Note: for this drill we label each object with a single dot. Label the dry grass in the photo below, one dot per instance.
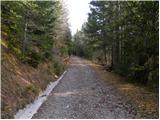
(144, 100)
(21, 83)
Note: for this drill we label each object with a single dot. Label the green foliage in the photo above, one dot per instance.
(58, 67)
(33, 59)
(31, 89)
(125, 35)
(32, 29)
(137, 68)
(80, 46)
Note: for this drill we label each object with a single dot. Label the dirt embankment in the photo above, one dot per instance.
(21, 83)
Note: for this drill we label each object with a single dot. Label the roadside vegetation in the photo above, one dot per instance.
(124, 38)
(36, 41)
(35, 38)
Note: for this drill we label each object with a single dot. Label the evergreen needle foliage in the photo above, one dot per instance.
(123, 35)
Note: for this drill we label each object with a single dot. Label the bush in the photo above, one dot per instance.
(31, 89)
(58, 67)
(28, 94)
(32, 58)
(139, 73)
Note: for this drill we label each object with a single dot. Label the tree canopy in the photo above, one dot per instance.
(125, 36)
(31, 29)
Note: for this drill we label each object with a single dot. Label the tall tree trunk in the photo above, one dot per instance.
(112, 56)
(24, 44)
(25, 39)
(105, 53)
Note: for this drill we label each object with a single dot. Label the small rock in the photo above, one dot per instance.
(55, 76)
(43, 95)
(67, 106)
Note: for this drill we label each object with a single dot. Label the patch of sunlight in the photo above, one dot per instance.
(78, 64)
(11, 59)
(17, 50)
(4, 44)
(90, 64)
(19, 72)
(126, 87)
(66, 93)
(95, 65)
(24, 81)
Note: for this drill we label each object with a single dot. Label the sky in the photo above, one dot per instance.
(78, 10)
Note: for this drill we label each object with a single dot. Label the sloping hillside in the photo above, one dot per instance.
(34, 41)
(21, 83)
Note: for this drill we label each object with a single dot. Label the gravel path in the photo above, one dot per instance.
(82, 94)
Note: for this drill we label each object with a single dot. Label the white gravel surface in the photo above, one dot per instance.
(81, 94)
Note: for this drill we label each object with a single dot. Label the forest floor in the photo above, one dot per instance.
(84, 93)
(144, 99)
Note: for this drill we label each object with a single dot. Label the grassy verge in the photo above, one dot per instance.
(21, 83)
(144, 100)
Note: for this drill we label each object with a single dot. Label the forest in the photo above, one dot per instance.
(33, 28)
(36, 42)
(35, 39)
(124, 37)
